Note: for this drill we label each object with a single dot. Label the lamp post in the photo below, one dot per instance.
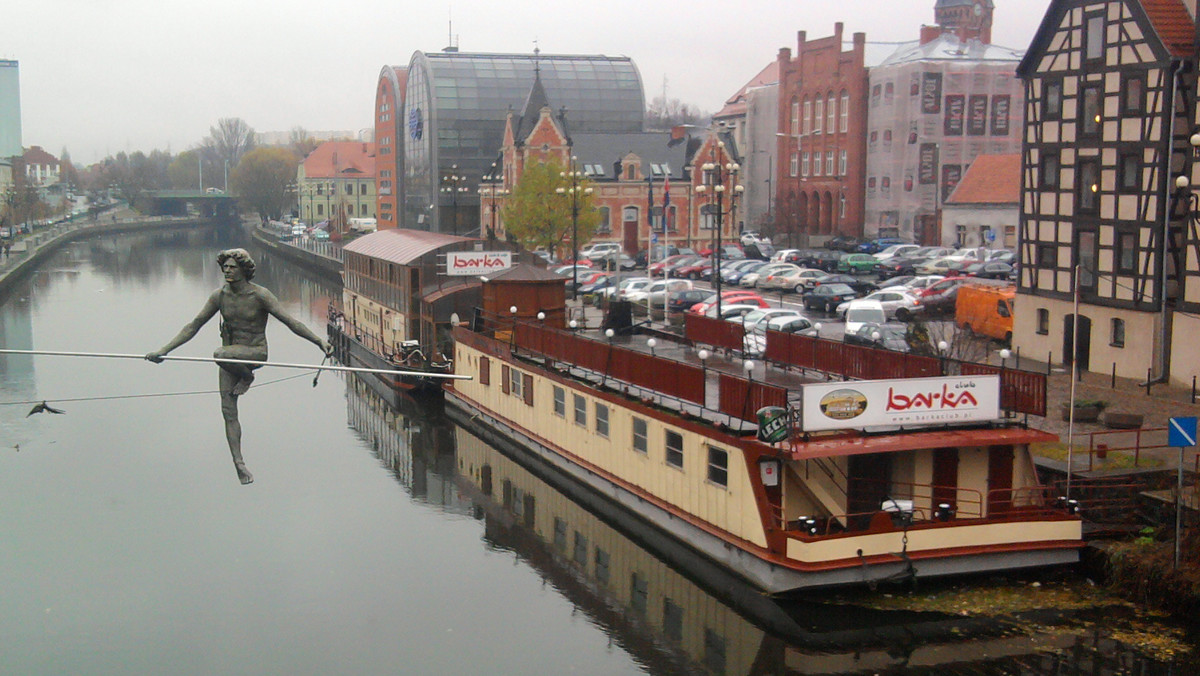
(575, 190)
(716, 175)
(453, 185)
(492, 188)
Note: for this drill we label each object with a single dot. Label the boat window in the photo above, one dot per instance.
(580, 410)
(718, 466)
(560, 402)
(514, 382)
(601, 420)
(674, 449)
(485, 371)
(640, 443)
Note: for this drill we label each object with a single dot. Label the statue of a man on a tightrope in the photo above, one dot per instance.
(244, 309)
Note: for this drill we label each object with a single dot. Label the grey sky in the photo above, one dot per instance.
(102, 76)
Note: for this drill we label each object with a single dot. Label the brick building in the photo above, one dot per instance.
(821, 140)
(389, 144)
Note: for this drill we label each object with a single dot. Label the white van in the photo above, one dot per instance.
(859, 312)
(362, 224)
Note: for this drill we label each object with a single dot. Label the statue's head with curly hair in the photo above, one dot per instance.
(241, 257)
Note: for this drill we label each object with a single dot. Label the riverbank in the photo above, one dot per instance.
(31, 249)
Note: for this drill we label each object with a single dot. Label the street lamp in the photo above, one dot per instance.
(492, 190)
(453, 185)
(716, 175)
(576, 179)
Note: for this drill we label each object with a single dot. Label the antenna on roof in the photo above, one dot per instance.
(451, 44)
(537, 66)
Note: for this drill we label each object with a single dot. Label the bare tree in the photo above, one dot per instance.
(664, 114)
(227, 142)
(302, 142)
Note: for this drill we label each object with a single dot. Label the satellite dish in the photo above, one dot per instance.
(453, 319)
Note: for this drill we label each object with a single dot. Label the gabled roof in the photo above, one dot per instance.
(736, 104)
(1168, 19)
(403, 246)
(947, 47)
(991, 179)
(524, 272)
(340, 159)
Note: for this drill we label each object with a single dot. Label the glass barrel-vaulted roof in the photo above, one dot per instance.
(456, 104)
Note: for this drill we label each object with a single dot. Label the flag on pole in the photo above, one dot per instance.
(666, 198)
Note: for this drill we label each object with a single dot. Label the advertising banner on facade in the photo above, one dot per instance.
(477, 262)
(977, 115)
(951, 175)
(909, 402)
(927, 164)
(1000, 109)
(931, 93)
(955, 105)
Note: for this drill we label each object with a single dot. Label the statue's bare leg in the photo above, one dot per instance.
(233, 427)
(243, 374)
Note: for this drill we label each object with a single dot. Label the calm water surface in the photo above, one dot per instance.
(373, 541)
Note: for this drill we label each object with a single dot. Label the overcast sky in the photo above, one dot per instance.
(102, 76)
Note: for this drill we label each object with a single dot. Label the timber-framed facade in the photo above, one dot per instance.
(1109, 107)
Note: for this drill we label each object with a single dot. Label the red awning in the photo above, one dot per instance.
(909, 441)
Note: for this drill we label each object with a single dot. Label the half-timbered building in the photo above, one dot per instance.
(1109, 109)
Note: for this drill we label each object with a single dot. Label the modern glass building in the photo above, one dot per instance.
(10, 109)
(455, 106)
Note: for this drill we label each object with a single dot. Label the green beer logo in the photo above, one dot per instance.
(772, 424)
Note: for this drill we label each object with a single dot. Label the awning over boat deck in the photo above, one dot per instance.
(892, 442)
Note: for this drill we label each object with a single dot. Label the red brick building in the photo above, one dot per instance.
(627, 173)
(389, 157)
(819, 183)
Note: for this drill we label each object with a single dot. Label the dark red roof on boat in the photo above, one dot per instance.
(909, 441)
(398, 245)
(524, 272)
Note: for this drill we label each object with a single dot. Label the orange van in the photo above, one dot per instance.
(986, 310)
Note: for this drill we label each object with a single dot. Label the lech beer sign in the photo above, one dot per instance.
(772, 424)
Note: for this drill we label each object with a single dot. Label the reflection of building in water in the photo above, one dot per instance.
(669, 622)
(418, 449)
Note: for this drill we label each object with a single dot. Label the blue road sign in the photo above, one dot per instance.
(1181, 432)
(991, 235)
(654, 238)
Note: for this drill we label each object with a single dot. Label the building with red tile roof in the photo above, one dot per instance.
(337, 182)
(985, 207)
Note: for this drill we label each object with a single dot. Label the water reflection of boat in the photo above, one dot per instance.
(656, 609)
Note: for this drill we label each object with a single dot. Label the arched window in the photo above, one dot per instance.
(807, 116)
(605, 226)
(830, 113)
(844, 124)
(795, 121)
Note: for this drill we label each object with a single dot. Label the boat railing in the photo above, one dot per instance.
(1020, 391)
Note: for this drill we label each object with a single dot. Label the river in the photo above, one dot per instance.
(372, 541)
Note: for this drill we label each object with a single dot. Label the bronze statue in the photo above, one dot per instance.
(244, 308)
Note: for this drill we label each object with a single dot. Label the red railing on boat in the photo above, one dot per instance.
(741, 398)
(713, 331)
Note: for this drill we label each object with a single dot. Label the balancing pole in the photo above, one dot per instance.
(214, 360)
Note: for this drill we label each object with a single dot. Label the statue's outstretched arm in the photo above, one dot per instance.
(190, 329)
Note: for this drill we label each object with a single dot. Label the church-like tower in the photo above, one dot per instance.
(968, 18)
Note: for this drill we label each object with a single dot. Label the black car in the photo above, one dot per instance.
(682, 301)
(846, 244)
(828, 296)
(596, 286)
(883, 336)
(860, 286)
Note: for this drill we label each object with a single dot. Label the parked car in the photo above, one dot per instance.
(988, 270)
(937, 266)
(857, 264)
(825, 260)
(861, 286)
(733, 273)
(626, 285)
(685, 299)
(660, 268)
(751, 279)
(860, 311)
(798, 280)
(845, 243)
(894, 251)
(754, 237)
(780, 255)
(614, 261)
(896, 304)
(911, 283)
(731, 297)
(883, 336)
(732, 311)
(656, 293)
(691, 269)
(597, 251)
(828, 296)
(940, 297)
(777, 276)
(752, 319)
(754, 344)
(879, 244)
(986, 310)
(596, 285)
(760, 251)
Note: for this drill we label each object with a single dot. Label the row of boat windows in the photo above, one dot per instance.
(518, 384)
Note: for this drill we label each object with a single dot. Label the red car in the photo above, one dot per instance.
(741, 297)
(693, 270)
(656, 269)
